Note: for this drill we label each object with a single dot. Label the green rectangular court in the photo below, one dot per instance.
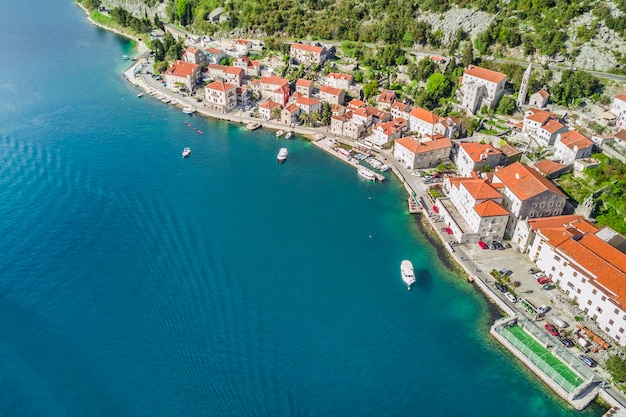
(562, 369)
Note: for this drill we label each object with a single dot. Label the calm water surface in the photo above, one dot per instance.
(135, 283)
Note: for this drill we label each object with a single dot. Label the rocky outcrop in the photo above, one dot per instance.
(471, 21)
(140, 8)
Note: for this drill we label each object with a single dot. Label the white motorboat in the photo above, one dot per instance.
(186, 152)
(368, 174)
(279, 133)
(408, 275)
(282, 155)
(189, 110)
(139, 95)
(288, 135)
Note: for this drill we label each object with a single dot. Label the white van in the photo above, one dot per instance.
(556, 320)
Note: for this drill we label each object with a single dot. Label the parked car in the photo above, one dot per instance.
(510, 297)
(539, 274)
(416, 174)
(490, 246)
(482, 245)
(436, 175)
(543, 280)
(543, 308)
(547, 287)
(588, 361)
(551, 329)
(506, 272)
(498, 245)
(499, 286)
(534, 270)
(566, 342)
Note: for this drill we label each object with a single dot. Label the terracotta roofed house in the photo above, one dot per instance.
(481, 86)
(548, 133)
(528, 194)
(183, 74)
(290, 114)
(618, 108)
(332, 95)
(338, 80)
(266, 109)
(399, 109)
(422, 121)
(193, 55)
(220, 96)
(307, 54)
(275, 89)
(309, 105)
(416, 154)
(539, 99)
(304, 87)
(572, 145)
(550, 169)
(386, 98)
(476, 156)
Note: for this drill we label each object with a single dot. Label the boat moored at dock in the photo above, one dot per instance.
(288, 135)
(368, 174)
(189, 110)
(407, 272)
(186, 152)
(279, 133)
(253, 125)
(282, 155)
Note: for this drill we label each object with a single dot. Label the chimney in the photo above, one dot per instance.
(517, 176)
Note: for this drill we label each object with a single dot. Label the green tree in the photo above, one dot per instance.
(370, 89)
(159, 50)
(327, 113)
(616, 366)
(506, 105)
(439, 86)
(276, 112)
(468, 55)
(305, 118)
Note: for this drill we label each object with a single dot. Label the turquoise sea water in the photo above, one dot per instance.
(135, 283)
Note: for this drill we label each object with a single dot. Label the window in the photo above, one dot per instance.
(556, 258)
(603, 298)
(569, 284)
(599, 310)
(561, 274)
(594, 291)
(586, 310)
(611, 322)
(621, 330)
(553, 268)
(578, 291)
(589, 302)
(616, 311)
(576, 274)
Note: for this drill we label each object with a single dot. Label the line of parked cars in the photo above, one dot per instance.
(493, 245)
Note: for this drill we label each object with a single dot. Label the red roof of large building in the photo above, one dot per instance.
(424, 115)
(525, 182)
(548, 167)
(478, 151)
(485, 74)
(552, 126)
(417, 147)
(621, 97)
(478, 188)
(539, 116)
(307, 47)
(303, 83)
(233, 70)
(182, 69)
(490, 208)
(219, 86)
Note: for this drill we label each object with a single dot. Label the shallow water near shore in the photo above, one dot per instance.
(138, 283)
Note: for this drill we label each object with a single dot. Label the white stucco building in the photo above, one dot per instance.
(618, 108)
(481, 86)
(476, 156)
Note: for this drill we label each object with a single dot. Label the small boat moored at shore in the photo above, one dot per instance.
(279, 133)
(282, 155)
(186, 152)
(288, 135)
(189, 110)
(408, 274)
(368, 174)
(253, 125)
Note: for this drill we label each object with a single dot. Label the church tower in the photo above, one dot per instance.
(523, 88)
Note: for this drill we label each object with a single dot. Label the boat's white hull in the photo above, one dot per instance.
(282, 155)
(367, 174)
(186, 152)
(408, 274)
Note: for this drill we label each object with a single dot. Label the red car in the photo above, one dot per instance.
(482, 245)
(551, 329)
(543, 280)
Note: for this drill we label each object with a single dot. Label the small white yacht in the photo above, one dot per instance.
(288, 135)
(408, 275)
(282, 155)
(368, 174)
(189, 110)
(279, 133)
(186, 152)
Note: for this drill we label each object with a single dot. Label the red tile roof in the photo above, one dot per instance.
(485, 74)
(539, 116)
(387, 128)
(214, 51)
(306, 101)
(574, 138)
(233, 70)
(490, 208)
(621, 135)
(356, 103)
(292, 108)
(330, 90)
(400, 106)
(525, 182)
(543, 93)
(182, 69)
(552, 126)
(303, 83)
(192, 49)
(339, 76)
(424, 115)
(477, 150)
(307, 47)
(270, 105)
(421, 147)
(548, 167)
(219, 86)
(621, 97)
(554, 221)
(387, 96)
